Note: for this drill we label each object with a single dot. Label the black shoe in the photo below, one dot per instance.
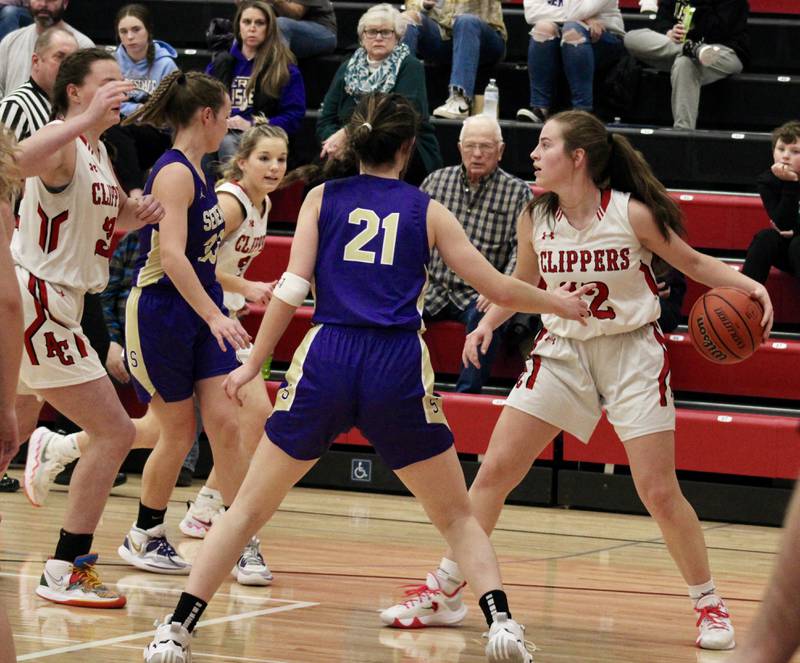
(8, 485)
(701, 52)
(65, 476)
(185, 478)
(535, 115)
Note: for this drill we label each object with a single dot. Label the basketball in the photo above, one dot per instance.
(725, 325)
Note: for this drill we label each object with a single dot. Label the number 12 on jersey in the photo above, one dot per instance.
(354, 251)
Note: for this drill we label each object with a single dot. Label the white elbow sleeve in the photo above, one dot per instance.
(291, 289)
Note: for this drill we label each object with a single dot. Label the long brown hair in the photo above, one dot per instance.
(177, 98)
(273, 57)
(9, 174)
(613, 162)
(379, 126)
(143, 14)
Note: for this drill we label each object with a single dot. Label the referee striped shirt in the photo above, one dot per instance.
(25, 110)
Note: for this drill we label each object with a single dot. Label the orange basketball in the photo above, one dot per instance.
(725, 325)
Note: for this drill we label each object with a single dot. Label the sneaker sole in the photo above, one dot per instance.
(732, 645)
(33, 454)
(49, 595)
(252, 580)
(166, 657)
(139, 563)
(454, 619)
(451, 116)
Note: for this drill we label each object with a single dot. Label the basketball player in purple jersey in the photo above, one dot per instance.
(365, 241)
(180, 340)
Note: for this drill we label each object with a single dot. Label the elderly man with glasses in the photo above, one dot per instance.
(487, 201)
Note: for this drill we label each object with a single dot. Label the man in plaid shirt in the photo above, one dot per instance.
(487, 201)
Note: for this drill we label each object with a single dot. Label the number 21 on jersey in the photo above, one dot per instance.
(354, 250)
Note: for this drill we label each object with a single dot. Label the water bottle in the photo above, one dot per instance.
(491, 99)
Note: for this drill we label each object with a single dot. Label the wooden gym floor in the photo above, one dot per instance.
(591, 587)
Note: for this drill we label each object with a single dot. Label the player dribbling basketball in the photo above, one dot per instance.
(603, 217)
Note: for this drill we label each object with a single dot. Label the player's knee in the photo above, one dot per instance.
(226, 438)
(120, 436)
(660, 498)
(492, 478)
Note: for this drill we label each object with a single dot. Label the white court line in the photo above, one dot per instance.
(94, 644)
(226, 657)
(168, 590)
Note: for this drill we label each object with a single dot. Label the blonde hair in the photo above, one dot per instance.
(231, 171)
(9, 173)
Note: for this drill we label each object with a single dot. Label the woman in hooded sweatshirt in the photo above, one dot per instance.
(144, 61)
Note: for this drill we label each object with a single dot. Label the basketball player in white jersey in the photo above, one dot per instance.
(71, 207)
(249, 176)
(592, 227)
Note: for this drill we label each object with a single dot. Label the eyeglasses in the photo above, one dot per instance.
(478, 147)
(373, 33)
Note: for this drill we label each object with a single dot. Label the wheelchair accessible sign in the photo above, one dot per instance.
(361, 470)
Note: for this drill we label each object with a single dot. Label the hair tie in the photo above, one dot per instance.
(181, 80)
(367, 125)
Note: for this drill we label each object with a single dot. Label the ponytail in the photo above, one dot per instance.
(177, 99)
(612, 162)
(9, 174)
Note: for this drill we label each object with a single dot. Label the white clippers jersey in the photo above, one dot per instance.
(607, 254)
(64, 238)
(240, 247)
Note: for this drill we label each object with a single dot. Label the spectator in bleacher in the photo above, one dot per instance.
(261, 75)
(308, 26)
(779, 187)
(14, 14)
(577, 37)
(462, 33)
(143, 61)
(715, 45)
(381, 64)
(487, 201)
(17, 47)
(27, 108)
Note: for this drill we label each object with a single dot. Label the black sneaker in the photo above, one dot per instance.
(184, 478)
(705, 54)
(8, 484)
(65, 476)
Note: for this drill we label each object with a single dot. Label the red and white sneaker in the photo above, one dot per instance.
(714, 622)
(427, 605)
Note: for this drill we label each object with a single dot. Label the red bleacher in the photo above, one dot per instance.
(711, 441)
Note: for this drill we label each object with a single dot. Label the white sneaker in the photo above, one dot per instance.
(455, 108)
(47, 456)
(77, 584)
(200, 516)
(171, 643)
(427, 605)
(149, 550)
(507, 642)
(648, 6)
(251, 569)
(714, 622)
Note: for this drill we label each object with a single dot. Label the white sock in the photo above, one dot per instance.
(67, 446)
(696, 592)
(449, 575)
(210, 494)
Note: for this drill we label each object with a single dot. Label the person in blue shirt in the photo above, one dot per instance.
(261, 75)
(143, 61)
(366, 241)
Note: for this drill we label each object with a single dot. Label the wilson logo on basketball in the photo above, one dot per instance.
(711, 349)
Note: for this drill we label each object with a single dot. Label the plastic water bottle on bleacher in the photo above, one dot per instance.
(491, 99)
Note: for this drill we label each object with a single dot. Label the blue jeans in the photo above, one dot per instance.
(474, 43)
(579, 61)
(306, 38)
(12, 18)
(471, 379)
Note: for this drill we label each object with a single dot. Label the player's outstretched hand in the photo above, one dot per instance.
(9, 437)
(149, 210)
(760, 294)
(237, 378)
(227, 329)
(108, 97)
(570, 305)
(477, 341)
